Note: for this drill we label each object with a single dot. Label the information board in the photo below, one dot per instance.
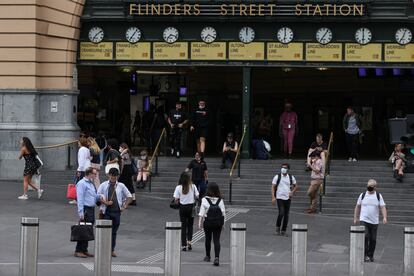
(92, 51)
(212, 51)
(399, 53)
(167, 51)
(128, 51)
(358, 52)
(318, 52)
(284, 52)
(251, 51)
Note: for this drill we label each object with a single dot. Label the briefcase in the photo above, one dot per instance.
(82, 232)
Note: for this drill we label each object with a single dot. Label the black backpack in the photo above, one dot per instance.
(215, 218)
(279, 176)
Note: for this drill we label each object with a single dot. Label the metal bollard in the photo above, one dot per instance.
(103, 247)
(299, 249)
(238, 249)
(356, 250)
(172, 264)
(409, 251)
(29, 244)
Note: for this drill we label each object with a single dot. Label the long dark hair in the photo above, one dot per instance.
(185, 181)
(213, 190)
(29, 146)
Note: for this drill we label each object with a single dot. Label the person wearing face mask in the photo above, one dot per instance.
(177, 121)
(367, 214)
(199, 173)
(317, 176)
(143, 172)
(284, 187)
(288, 129)
(199, 124)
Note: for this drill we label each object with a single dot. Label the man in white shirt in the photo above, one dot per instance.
(367, 213)
(283, 188)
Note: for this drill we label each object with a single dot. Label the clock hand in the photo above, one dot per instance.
(97, 35)
(284, 36)
(404, 34)
(324, 35)
(134, 33)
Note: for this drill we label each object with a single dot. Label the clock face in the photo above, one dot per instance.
(96, 34)
(324, 35)
(403, 36)
(133, 34)
(285, 35)
(208, 34)
(246, 34)
(170, 35)
(363, 36)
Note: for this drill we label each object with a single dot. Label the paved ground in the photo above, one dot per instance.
(141, 240)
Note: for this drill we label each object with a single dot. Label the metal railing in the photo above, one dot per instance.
(327, 168)
(155, 155)
(236, 161)
(68, 144)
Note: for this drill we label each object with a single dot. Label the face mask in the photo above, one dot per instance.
(143, 157)
(370, 188)
(283, 170)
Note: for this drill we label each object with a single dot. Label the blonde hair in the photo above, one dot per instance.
(372, 182)
(93, 145)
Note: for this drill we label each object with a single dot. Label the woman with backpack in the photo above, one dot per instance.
(212, 216)
(186, 194)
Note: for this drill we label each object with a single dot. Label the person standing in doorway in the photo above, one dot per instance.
(199, 173)
(288, 129)
(199, 124)
(366, 213)
(177, 121)
(317, 175)
(284, 187)
(115, 198)
(352, 124)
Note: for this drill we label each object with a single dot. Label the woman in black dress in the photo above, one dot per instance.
(32, 164)
(127, 171)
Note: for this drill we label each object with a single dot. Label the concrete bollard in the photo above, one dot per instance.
(409, 251)
(299, 249)
(172, 263)
(356, 250)
(29, 244)
(238, 249)
(103, 248)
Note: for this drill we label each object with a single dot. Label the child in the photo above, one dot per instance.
(143, 172)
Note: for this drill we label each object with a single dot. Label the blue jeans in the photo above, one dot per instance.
(89, 216)
(116, 221)
(201, 187)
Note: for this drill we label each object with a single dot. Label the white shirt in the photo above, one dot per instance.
(370, 207)
(122, 193)
(84, 159)
(186, 198)
(283, 189)
(205, 206)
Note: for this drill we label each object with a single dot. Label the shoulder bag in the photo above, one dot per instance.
(83, 231)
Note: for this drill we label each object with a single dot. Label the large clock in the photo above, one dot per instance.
(324, 35)
(285, 35)
(403, 36)
(133, 34)
(96, 34)
(246, 34)
(170, 35)
(208, 34)
(363, 36)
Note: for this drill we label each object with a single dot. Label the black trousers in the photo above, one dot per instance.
(228, 155)
(116, 221)
(284, 207)
(370, 238)
(215, 233)
(187, 221)
(89, 216)
(352, 144)
(176, 134)
(126, 177)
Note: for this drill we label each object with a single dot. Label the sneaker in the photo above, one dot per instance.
(172, 152)
(371, 259)
(216, 261)
(284, 234)
(367, 259)
(207, 259)
(177, 154)
(39, 193)
(277, 232)
(24, 197)
(350, 159)
(354, 160)
(184, 248)
(73, 202)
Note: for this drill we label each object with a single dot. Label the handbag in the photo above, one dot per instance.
(174, 204)
(82, 232)
(110, 166)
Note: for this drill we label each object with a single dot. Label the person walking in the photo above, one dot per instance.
(127, 171)
(31, 167)
(284, 187)
(95, 153)
(87, 199)
(186, 194)
(211, 218)
(229, 150)
(199, 173)
(288, 129)
(199, 124)
(317, 176)
(115, 199)
(366, 213)
(177, 121)
(352, 124)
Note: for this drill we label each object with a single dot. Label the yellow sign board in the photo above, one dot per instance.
(285, 52)
(212, 51)
(251, 51)
(399, 53)
(128, 51)
(357, 52)
(167, 51)
(92, 51)
(319, 52)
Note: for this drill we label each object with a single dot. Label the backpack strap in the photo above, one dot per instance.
(209, 201)
(378, 196)
(291, 181)
(363, 195)
(279, 176)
